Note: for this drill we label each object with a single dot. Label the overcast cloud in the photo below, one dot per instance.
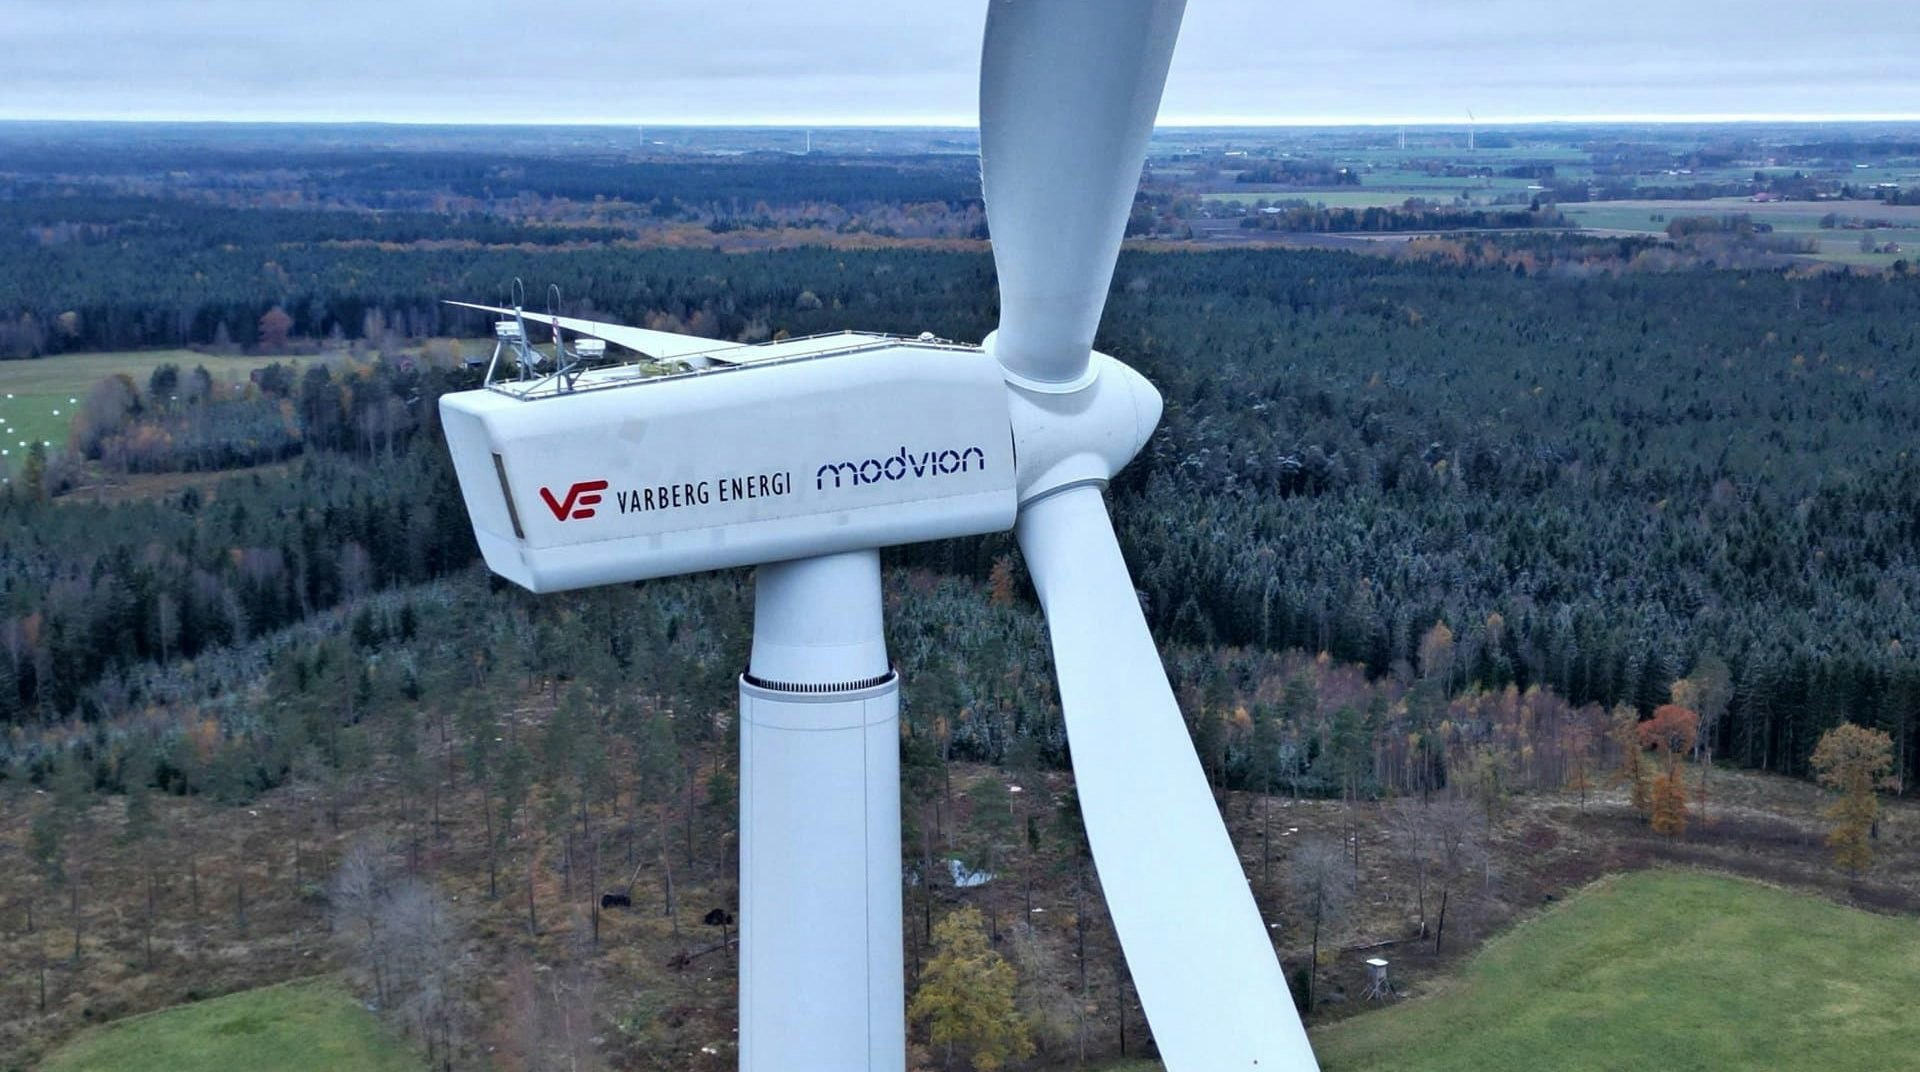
(915, 61)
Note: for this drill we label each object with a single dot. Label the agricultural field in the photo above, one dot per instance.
(1662, 969)
(1811, 176)
(313, 1025)
(1387, 188)
(1791, 219)
(1345, 197)
(38, 396)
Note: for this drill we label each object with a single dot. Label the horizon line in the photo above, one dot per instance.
(1177, 122)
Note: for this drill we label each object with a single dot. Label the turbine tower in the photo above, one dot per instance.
(802, 458)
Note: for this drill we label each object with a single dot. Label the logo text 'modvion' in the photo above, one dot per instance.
(904, 465)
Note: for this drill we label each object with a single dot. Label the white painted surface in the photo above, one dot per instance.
(1081, 436)
(818, 620)
(1195, 944)
(822, 978)
(874, 448)
(1068, 93)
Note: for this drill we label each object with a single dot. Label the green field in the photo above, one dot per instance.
(38, 397)
(296, 1027)
(1663, 970)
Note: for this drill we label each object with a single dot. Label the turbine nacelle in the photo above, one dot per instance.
(776, 457)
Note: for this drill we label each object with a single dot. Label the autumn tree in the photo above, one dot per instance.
(1855, 761)
(1671, 732)
(1625, 731)
(966, 995)
(275, 326)
(1669, 805)
(1001, 583)
(424, 965)
(1436, 654)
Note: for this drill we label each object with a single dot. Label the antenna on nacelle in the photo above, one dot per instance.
(511, 335)
(565, 365)
(570, 362)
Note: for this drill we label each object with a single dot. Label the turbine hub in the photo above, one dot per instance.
(1084, 436)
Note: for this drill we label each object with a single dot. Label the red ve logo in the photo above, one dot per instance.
(579, 502)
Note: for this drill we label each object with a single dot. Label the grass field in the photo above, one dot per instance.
(1668, 970)
(38, 397)
(296, 1027)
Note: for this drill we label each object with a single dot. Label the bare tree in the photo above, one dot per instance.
(1706, 692)
(549, 1021)
(424, 961)
(1044, 992)
(1459, 854)
(355, 898)
(402, 935)
(1320, 886)
(1407, 825)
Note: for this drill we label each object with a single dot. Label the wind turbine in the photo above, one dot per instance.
(802, 457)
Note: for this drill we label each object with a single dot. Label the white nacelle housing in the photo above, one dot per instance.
(620, 479)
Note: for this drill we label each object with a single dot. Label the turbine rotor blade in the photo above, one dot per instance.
(1199, 953)
(1068, 94)
(657, 344)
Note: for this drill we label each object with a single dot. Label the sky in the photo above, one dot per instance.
(915, 62)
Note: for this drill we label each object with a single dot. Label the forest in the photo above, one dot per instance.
(1426, 525)
(1354, 450)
